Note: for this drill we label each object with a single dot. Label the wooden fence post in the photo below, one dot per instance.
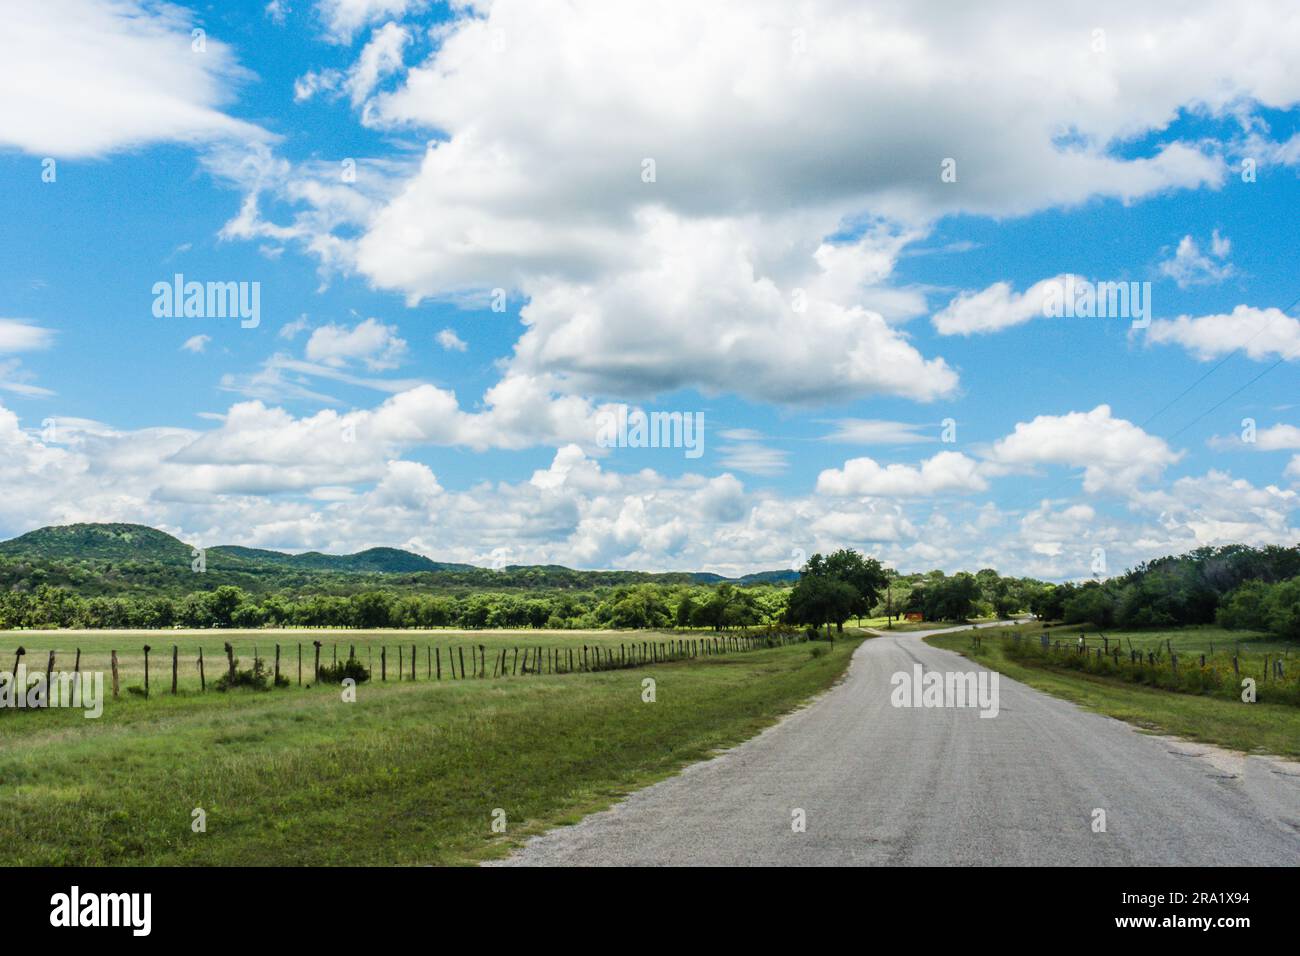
(230, 662)
(276, 682)
(76, 668)
(176, 657)
(146, 671)
(203, 681)
(438, 655)
(316, 677)
(383, 663)
(114, 660)
(461, 651)
(49, 670)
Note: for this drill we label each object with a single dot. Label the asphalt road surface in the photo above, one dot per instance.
(886, 785)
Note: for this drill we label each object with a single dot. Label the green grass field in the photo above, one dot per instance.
(1252, 728)
(410, 773)
(430, 646)
(1205, 639)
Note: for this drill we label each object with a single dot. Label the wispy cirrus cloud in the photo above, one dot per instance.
(84, 78)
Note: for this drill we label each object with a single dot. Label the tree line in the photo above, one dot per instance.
(719, 607)
(1234, 586)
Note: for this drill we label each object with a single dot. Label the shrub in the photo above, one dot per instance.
(256, 677)
(337, 673)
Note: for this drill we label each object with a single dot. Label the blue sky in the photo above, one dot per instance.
(797, 270)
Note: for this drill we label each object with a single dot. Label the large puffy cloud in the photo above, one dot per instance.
(1260, 333)
(728, 98)
(759, 256)
(85, 78)
(948, 471)
(695, 312)
(1115, 454)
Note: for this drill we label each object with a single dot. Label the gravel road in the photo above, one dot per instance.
(886, 785)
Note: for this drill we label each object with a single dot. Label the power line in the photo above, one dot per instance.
(1216, 405)
(1229, 396)
(1217, 366)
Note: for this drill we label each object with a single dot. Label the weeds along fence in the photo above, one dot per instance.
(172, 670)
(1276, 675)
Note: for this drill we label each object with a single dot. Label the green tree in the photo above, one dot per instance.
(821, 599)
(1283, 609)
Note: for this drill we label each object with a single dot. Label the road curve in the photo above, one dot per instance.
(885, 785)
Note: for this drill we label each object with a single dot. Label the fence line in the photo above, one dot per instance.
(538, 659)
(1191, 672)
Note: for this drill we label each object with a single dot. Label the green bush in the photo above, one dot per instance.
(256, 678)
(339, 672)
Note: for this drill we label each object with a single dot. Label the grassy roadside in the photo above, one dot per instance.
(411, 773)
(1251, 728)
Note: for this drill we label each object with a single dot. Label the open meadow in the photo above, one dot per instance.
(412, 772)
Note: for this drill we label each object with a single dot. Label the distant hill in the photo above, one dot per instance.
(370, 561)
(769, 577)
(105, 542)
(137, 542)
(758, 577)
(133, 557)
